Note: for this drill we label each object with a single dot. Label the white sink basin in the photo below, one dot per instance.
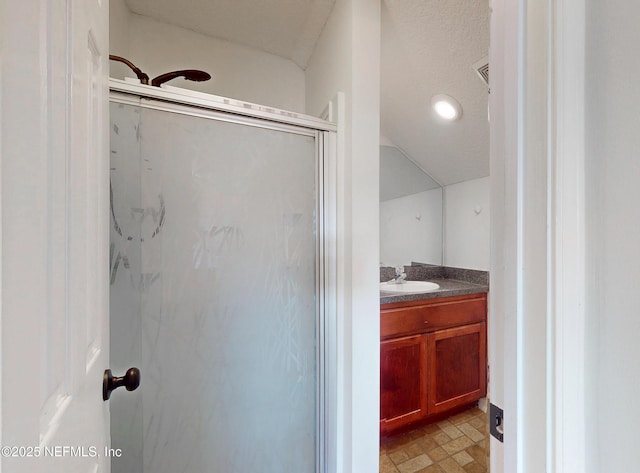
(409, 287)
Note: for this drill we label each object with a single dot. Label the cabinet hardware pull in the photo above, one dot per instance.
(426, 322)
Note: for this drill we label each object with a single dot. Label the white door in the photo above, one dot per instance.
(54, 259)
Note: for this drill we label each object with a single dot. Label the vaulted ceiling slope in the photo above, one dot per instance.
(287, 28)
(429, 47)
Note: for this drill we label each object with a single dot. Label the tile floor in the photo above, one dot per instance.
(459, 444)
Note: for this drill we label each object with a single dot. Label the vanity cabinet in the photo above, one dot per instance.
(403, 381)
(433, 358)
(457, 367)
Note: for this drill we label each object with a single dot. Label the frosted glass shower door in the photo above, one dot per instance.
(213, 293)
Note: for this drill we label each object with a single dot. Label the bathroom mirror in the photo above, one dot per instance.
(410, 212)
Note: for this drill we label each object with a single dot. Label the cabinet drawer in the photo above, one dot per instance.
(433, 315)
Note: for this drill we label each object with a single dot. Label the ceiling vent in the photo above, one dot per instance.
(482, 69)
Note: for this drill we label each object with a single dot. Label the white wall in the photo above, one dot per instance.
(411, 229)
(347, 59)
(329, 68)
(467, 222)
(405, 238)
(613, 229)
(119, 16)
(237, 71)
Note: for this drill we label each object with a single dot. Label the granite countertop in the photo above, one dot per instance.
(452, 281)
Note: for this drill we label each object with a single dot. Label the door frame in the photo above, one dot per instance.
(537, 313)
(560, 27)
(184, 101)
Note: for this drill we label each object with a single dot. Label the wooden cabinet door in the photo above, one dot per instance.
(457, 366)
(403, 381)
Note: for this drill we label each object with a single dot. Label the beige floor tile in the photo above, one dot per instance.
(457, 444)
(449, 465)
(471, 432)
(414, 449)
(427, 443)
(415, 464)
(479, 454)
(450, 429)
(463, 458)
(386, 465)
(475, 467)
(399, 456)
(441, 438)
(477, 422)
(431, 469)
(437, 454)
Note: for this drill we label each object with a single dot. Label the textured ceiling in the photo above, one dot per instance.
(287, 28)
(428, 47)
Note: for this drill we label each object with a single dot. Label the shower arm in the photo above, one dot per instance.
(144, 79)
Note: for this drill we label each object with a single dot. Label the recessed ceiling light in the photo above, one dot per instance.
(446, 107)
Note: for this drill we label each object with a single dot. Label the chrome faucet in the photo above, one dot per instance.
(400, 275)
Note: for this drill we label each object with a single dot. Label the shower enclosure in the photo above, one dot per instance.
(218, 271)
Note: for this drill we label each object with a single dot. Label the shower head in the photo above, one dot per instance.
(189, 74)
